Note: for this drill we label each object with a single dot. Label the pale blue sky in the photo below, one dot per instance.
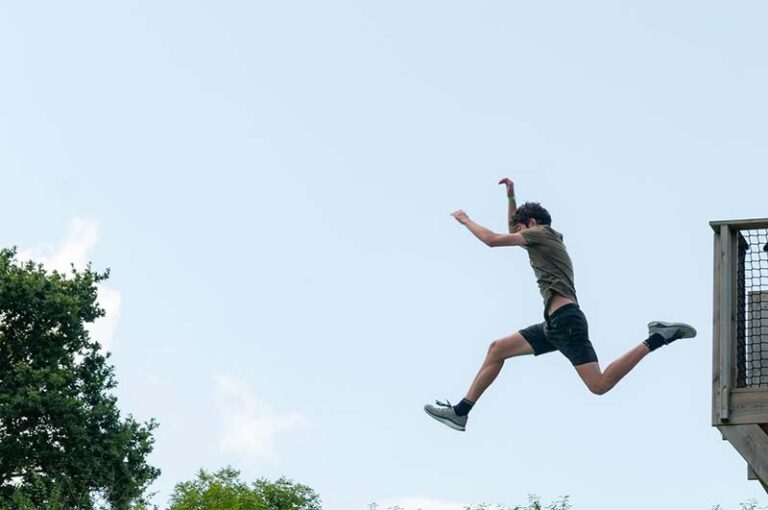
(271, 184)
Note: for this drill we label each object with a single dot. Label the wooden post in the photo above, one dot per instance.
(716, 340)
(726, 313)
(740, 313)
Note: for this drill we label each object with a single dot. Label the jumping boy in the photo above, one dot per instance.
(564, 328)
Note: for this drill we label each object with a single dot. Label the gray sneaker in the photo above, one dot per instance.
(444, 413)
(671, 331)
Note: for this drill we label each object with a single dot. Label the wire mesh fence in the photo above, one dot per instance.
(752, 309)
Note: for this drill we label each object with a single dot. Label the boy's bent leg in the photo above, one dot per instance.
(600, 382)
(499, 350)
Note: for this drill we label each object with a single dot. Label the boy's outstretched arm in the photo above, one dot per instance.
(487, 236)
(512, 205)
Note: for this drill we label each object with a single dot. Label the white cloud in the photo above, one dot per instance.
(421, 503)
(250, 426)
(82, 235)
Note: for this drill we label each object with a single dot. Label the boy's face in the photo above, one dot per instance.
(519, 227)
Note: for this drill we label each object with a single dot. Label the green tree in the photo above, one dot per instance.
(223, 490)
(749, 505)
(63, 443)
(534, 503)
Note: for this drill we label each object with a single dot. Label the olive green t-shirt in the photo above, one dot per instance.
(550, 262)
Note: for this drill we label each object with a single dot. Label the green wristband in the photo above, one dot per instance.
(511, 198)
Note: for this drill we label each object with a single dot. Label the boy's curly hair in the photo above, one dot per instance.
(532, 211)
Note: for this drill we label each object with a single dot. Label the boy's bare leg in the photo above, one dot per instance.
(499, 350)
(455, 417)
(601, 382)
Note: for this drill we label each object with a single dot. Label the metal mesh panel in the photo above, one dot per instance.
(752, 309)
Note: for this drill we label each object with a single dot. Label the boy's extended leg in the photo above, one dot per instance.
(499, 350)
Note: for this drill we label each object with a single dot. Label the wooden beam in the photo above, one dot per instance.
(751, 442)
(738, 224)
(748, 406)
(752, 476)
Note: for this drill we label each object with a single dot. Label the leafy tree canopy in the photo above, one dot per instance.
(223, 490)
(63, 443)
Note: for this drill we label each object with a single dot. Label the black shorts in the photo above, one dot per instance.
(566, 331)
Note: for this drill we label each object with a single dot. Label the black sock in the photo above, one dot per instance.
(655, 341)
(464, 407)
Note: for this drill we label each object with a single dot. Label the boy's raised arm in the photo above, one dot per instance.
(512, 205)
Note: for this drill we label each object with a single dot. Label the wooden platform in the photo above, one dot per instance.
(739, 410)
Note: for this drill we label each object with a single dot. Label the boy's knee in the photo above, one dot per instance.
(598, 388)
(494, 349)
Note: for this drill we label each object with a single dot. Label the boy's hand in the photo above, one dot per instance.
(510, 186)
(460, 216)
